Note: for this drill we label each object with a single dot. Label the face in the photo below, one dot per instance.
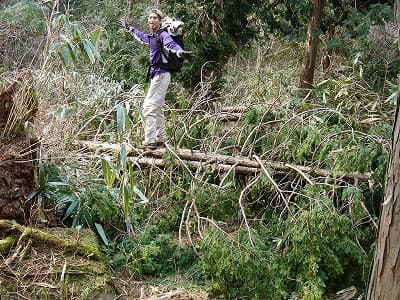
(154, 22)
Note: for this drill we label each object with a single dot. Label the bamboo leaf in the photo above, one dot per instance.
(77, 33)
(141, 196)
(95, 51)
(95, 36)
(32, 195)
(123, 156)
(393, 97)
(109, 172)
(68, 25)
(131, 176)
(65, 54)
(56, 183)
(121, 122)
(74, 52)
(59, 19)
(71, 208)
(88, 50)
(125, 202)
(101, 232)
(40, 199)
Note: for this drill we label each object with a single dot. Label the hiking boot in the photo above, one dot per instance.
(153, 145)
(160, 144)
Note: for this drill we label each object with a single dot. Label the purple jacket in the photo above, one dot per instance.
(155, 51)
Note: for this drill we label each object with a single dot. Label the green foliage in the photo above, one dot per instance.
(151, 253)
(125, 58)
(124, 190)
(26, 13)
(236, 270)
(218, 203)
(97, 205)
(307, 254)
(88, 204)
(288, 18)
(257, 128)
(51, 186)
(76, 45)
(359, 22)
(324, 244)
(320, 250)
(335, 145)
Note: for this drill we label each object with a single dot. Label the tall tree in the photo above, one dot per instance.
(385, 277)
(397, 20)
(307, 74)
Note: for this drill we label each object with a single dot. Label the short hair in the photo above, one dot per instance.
(158, 12)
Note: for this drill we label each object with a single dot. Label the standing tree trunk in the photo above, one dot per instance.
(307, 75)
(385, 277)
(397, 20)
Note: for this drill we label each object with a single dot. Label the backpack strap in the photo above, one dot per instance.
(159, 43)
(148, 74)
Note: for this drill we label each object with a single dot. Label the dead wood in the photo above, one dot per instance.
(192, 164)
(26, 232)
(234, 109)
(219, 162)
(225, 116)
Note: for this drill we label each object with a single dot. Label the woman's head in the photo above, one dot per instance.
(154, 19)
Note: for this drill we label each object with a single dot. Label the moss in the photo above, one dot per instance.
(6, 244)
(87, 249)
(70, 263)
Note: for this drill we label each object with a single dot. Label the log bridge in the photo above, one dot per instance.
(196, 160)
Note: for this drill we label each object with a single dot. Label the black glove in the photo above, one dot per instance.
(185, 54)
(124, 24)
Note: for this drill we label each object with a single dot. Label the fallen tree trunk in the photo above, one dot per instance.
(234, 109)
(76, 246)
(240, 164)
(219, 167)
(225, 116)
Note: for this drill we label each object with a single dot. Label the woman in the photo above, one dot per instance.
(160, 77)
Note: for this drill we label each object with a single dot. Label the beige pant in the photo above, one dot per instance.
(153, 113)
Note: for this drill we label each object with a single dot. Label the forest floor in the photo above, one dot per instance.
(36, 260)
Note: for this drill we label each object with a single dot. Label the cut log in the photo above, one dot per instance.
(240, 164)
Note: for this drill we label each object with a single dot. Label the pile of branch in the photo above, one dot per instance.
(195, 159)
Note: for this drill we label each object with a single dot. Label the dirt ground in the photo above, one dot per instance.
(16, 163)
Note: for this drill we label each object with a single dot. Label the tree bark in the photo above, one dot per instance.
(385, 277)
(307, 75)
(397, 20)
